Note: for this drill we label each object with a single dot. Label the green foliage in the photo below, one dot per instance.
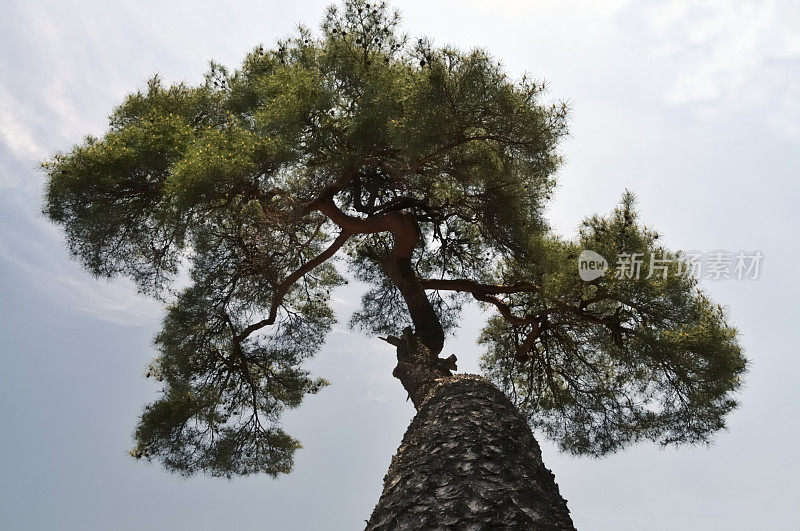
(219, 393)
(618, 359)
(219, 180)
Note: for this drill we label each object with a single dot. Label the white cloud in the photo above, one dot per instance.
(17, 139)
(15, 133)
(731, 57)
(65, 284)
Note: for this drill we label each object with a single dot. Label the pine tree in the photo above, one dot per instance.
(426, 170)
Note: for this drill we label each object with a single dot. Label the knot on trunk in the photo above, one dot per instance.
(417, 368)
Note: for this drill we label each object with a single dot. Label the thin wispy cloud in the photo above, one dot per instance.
(36, 253)
(730, 57)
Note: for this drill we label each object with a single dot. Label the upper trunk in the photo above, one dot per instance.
(418, 368)
(467, 461)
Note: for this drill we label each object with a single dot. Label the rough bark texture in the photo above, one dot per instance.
(418, 368)
(467, 461)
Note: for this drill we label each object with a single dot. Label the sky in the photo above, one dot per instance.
(690, 104)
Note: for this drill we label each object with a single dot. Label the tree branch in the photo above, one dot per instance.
(504, 310)
(471, 286)
(406, 234)
(283, 288)
(486, 293)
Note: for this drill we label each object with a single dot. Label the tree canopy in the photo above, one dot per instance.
(424, 171)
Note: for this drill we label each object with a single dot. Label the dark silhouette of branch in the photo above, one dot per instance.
(283, 288)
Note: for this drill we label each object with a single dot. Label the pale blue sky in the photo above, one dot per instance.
(693, 105)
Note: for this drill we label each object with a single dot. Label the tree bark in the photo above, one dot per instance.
(468, 459)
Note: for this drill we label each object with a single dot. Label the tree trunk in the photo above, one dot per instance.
(468, 460)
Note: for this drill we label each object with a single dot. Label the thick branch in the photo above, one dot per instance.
(504, 310)
(486, 292)
(395, 222)
(406, 234)
(523, 351)
(283, 288)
